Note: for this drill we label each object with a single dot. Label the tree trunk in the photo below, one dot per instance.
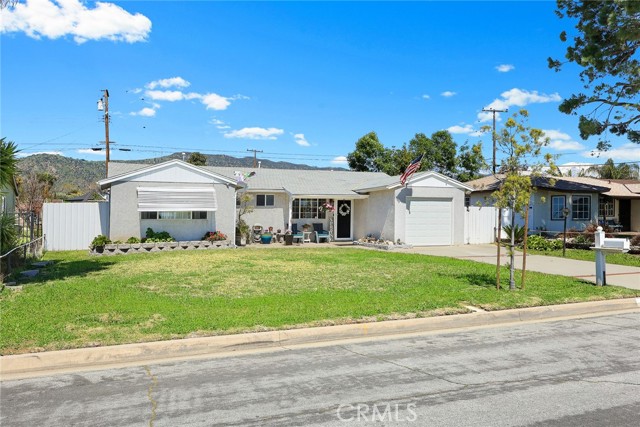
(524, 244)
(512, 252)
(498, 239)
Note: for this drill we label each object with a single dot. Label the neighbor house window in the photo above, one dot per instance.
(605, 207)
(557, 204)
(581, 208)
(174, 215)
(308, 208)
(265, 200)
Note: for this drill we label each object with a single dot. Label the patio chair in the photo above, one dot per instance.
(297, 235)
(319, 233)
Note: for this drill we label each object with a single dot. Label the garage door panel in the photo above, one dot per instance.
(429, 222)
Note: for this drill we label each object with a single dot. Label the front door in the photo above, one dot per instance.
(343, 222)
(624, 214)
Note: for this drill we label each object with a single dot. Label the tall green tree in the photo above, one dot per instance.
(197, 159)
(606, 47)
(440, 151)
(609, 170)
(522, 146)
(369, 154)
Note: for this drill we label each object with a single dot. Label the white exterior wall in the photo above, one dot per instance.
(542, 209)
(375, 215)
(276, 216)
(72, 226)
(126, 222)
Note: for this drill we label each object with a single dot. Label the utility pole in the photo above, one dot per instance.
(255, 159)
(493, 135)
(103, 104)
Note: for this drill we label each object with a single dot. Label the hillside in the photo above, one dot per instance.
(80, 176)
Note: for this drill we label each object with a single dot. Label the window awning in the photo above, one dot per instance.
(151, 199)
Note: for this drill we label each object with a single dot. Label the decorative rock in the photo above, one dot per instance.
(30, 273)
(41, 264)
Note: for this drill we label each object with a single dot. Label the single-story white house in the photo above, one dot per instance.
(590, 200)
(187, 201)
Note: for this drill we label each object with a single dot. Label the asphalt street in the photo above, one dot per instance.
(581, 372)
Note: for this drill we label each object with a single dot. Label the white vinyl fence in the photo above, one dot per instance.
(480, 224)
(72, 226)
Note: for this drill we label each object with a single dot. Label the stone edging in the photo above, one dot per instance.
(132, 248)
(382, 246)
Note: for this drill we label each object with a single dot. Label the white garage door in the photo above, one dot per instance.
(429, 222)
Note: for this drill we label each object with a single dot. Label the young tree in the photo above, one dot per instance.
(522, 146)
(606, 47)
(197, 159)
(35, 189)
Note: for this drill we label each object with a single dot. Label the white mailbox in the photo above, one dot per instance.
(621, 244)
(602, 247)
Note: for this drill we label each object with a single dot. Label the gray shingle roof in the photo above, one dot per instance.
(296, 182)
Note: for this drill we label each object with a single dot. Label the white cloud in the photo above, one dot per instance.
(214, 101)
(505, 68)
(101, 153)
(626, 153)
(167, 83)
(165, 95)
(561, 141)
(464, 130)
(518, 98)
(145, 112)
(54, 153)
(239, 97)
(426, 97)
(340, 160)
(255, 133)
(59, 18)
(301, 140)
(448, 94)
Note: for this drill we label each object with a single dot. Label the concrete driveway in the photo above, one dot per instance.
(619, 275)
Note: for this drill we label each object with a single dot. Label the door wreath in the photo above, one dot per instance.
(344, 209)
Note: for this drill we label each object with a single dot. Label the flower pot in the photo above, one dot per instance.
(288, 239)
(266, 239)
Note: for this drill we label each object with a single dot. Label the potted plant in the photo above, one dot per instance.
(266, 237)
(98, 243)
(242, 233)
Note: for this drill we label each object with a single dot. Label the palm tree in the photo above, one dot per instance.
(8, 162)
(609, 170)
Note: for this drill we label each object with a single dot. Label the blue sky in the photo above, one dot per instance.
(301, 81)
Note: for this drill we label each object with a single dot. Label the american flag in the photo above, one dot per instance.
(411, 169)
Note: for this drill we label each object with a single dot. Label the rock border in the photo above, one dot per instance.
(139, 248)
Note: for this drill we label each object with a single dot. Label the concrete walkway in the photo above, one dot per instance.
(619, 275)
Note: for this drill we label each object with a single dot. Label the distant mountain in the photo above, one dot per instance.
(75, 176)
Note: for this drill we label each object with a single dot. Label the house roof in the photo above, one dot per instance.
(618, 188)
(120, 173)
(590, 185)
(390, 182)
(294, 181)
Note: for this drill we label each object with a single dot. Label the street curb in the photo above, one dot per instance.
(36, 364)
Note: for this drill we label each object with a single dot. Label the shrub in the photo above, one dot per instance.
(214, 236)
(519, 232)
(162, 236)
(133, 240)
(99, 240)
(539, 243)
(8, 233)
(583, 239)
(635, 241)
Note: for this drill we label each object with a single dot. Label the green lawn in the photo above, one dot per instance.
(584, 255)
(88, 301)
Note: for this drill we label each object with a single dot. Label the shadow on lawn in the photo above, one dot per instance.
(483, 280)
(61, 270)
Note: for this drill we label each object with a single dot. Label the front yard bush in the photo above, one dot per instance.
(539, 243)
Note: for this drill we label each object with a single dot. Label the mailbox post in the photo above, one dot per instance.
(602, 246)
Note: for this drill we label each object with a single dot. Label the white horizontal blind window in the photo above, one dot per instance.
(176, 199)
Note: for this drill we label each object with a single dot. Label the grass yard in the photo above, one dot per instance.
(583, 255)
(85, 301)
